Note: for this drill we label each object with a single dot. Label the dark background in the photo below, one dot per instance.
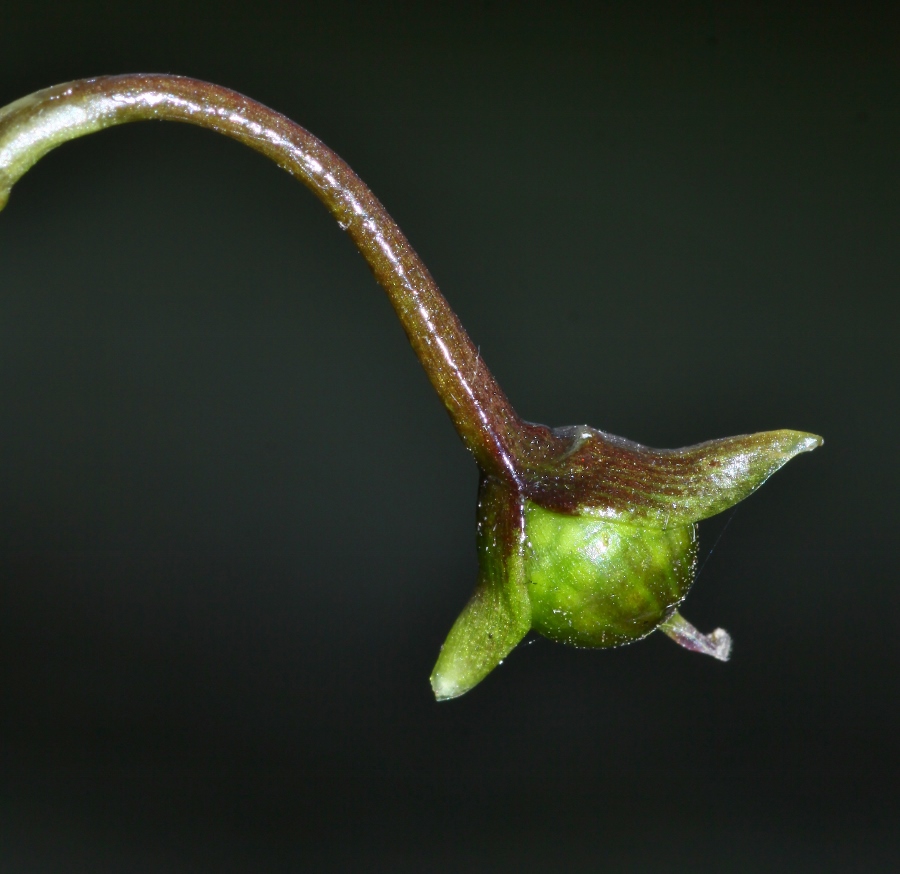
(236, 525)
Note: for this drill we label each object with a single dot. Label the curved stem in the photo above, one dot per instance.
(31, 127)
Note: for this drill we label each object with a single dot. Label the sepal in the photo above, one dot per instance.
(608, 477)
(498, 614)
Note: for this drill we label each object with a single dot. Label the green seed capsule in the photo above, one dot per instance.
(597, 583)
(601, 548)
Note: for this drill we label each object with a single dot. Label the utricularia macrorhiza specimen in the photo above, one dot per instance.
(586, 538)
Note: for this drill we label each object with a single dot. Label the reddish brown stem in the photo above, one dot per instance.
(480, 411)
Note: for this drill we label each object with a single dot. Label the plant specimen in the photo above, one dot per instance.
(587, 538)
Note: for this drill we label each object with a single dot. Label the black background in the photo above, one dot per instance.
(237, 525)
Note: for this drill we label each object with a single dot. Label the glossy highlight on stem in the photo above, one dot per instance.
(587, 538)
(33, 126)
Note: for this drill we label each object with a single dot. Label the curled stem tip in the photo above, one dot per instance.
(716, 644)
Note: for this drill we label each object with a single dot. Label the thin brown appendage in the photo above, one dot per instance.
(478, 407)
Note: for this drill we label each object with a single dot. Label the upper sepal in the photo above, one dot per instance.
(720, 473)
(612, 478)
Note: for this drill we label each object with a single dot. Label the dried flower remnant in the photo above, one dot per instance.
(586, 538)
